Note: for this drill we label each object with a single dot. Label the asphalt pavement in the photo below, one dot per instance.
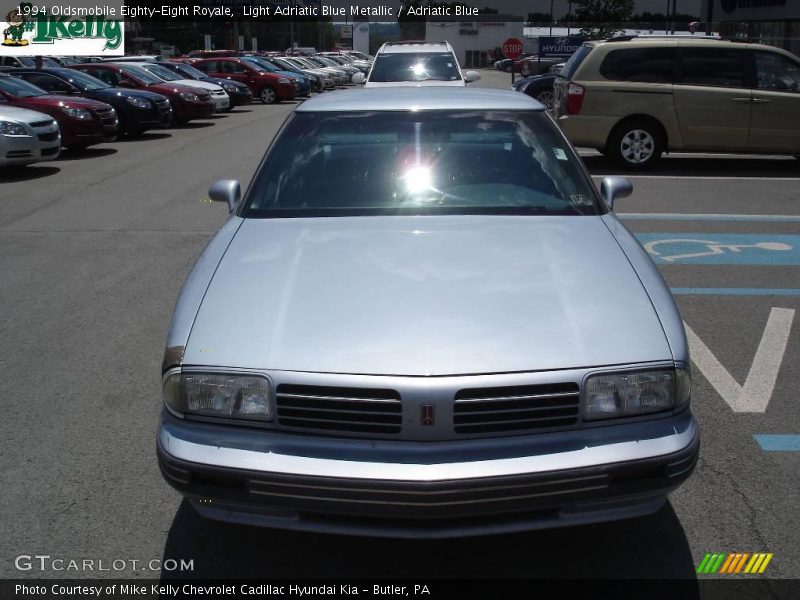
(95, 246)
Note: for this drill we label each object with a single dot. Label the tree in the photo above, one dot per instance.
(605, 13)
(538, 17)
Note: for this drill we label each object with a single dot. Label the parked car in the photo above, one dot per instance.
(219, 96)
(329, 75)
(238, 93)
(341, 76)
(320, 81)
(26, 61)
(83, 122)
(137, 110)
(538, 87)
(416, 64)
(27, 137)
(267, 87)
(187, 103)
(635, 98)
(303, 83)
(423, 320)
(533, 65)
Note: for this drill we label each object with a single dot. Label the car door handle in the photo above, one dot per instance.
(740, 99)
(761, 100)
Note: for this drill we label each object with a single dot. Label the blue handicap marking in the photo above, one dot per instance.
(721, 249)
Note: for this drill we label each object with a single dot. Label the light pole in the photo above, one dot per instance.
(551, 21)
(569, 16)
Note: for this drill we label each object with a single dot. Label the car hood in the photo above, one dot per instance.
(196, 83)
(22, 115)
(107, 94)
(426, 295)
(51, 101)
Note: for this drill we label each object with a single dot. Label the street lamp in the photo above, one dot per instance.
(569, 16)
(551, 20)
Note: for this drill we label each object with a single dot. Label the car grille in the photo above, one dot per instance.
(41, 123)
(163, 106)
(50, 151)
(354, 410)
(516, 408)
(218, 93)
(107, 116)
(18, 154)
(48, 137)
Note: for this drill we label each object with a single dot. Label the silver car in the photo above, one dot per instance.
(422, 320)
(27, 137)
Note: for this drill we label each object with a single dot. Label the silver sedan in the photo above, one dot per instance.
(423, 320)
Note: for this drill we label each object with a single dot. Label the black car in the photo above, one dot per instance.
(239, 93)
(539, 87)
(137, 110)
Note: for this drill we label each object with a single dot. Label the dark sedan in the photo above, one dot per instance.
(137, 110)
(538, 87)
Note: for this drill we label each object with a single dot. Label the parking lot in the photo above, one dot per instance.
(95, 246)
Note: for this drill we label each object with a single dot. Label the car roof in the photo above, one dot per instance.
(415, 47)
(420, 98)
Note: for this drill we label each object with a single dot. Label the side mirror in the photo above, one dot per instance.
(226, 190)
(471, 76)
(612, 188)
(359, 78)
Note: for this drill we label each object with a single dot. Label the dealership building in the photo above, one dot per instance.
(774, 22)
(474, 42)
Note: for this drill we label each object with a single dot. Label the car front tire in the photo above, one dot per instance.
(268, 95)
(636, 144)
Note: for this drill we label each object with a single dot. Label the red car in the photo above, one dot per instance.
(269, 87)
(83, 122)
(187, 102)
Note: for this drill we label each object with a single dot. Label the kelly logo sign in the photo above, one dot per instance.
(30, 31)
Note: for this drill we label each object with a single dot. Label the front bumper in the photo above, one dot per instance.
(26, 150)
(427, 489)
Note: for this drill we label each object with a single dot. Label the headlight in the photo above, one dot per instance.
(609, 395)
(138, 102)
(189, 97)
(77, 113)
(229, 88)
(219, 395)
(284, 80)
(9, 128)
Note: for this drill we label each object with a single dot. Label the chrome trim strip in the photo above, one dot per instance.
(272, 462)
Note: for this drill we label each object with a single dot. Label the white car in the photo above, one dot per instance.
(218, 95)
(27, 137)
(415, 64)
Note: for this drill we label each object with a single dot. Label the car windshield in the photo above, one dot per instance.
(162, 72)
(260, 63)
(141, 74)
(190, 72)
(83, 81)
(423, 66)
(19, 88)
(412, 162)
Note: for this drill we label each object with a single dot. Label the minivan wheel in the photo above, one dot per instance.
(268, 95)
(635, 144)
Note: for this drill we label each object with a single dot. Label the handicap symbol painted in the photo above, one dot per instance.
(727, 249)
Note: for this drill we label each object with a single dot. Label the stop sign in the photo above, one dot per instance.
(512, 48)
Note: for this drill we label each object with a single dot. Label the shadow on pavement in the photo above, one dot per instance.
(85, 153)
(195, 124)
(645, 547)
(29, 173)
(697, 166)
(144, 137)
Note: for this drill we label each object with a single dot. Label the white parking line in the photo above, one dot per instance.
(705, 217)
(705, 177)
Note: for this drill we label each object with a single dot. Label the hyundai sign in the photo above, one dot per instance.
(559, 46)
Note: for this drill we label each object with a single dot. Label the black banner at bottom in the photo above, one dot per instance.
(148, 589)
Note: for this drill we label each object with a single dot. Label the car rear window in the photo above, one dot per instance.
(648, 65)
(422, 66)
(575, 61)
(420, 162)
